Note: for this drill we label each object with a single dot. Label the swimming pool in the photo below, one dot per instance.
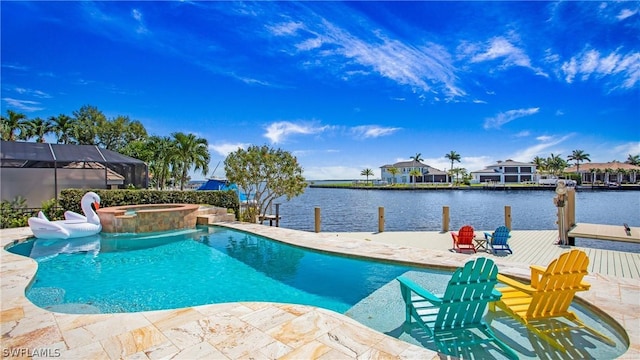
(215, 265)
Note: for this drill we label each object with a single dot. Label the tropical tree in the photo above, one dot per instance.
(63, 128)
(367, 173)
(578, 156)
(37, 128)
(117, 133)
(163, 159)
(190, 151)
(413, 173)
(88, 121)
(12, 125)
(541, 164)
(393, 171)
(633, 160)
(417, 158)
(555, 164)
(264, 174)
(459, 173)
(453, 156)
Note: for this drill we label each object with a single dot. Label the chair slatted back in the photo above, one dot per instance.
(558, 285)
(465, 235)
(469, 291)
(500, 236)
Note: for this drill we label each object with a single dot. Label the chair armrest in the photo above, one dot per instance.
(516, 284)
(487, 236)
(536, 274)
(406, 282)
(495, 295)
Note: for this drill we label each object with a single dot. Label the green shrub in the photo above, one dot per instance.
(14, 213)
(70, 198)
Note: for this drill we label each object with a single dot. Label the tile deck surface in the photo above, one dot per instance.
(281, 331)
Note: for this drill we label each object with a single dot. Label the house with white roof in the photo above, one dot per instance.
(507, 171)
(429, 174)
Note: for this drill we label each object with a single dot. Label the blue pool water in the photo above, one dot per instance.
(166, 271)
(108, 274)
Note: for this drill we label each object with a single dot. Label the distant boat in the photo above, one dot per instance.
(217, 184)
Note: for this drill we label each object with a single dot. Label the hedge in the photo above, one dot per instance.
(70, 198)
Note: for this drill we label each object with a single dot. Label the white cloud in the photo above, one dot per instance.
(624, 68)
(474, 163)
(508, 116)
(137, 16)
(288, 28)
(523, 133)
(542, 149)
(373, 131)
(277, 132)
(36, 93)
(24, 105)
(225, 149)
(499, 48)
(422, 67)
(624, 150)
(625, 13)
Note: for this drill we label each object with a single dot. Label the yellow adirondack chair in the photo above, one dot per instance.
(549, 296)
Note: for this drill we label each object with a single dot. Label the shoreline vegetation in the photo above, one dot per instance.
(361, 185)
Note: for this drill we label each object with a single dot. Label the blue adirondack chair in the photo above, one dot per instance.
(455, 320)
(498, 240)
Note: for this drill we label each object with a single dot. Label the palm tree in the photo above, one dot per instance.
(367, 173)
(161, 162)
(633, 160)
(459, 173)
(541, 164)
(37, 128)
(453, 156)
(393, 171)
(414, 173)
(12, 123)
(556, 164)
(63, 127)
(190, 152)
(578, 156)
(416, 159)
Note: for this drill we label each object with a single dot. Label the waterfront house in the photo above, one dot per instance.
(507, 171)
(429, 174)
(605, 173)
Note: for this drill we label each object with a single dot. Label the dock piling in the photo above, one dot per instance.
(317, 219)
(380, 219)
(445, 218)
(507, 216)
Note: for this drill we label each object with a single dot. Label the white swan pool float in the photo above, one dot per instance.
(74, 225)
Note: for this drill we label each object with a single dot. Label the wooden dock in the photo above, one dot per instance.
(531, 247)
(606, 232)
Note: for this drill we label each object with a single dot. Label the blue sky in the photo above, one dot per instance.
(343, 86)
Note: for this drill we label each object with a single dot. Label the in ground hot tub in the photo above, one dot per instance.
(148, 218)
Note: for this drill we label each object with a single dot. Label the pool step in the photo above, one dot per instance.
(215, 218)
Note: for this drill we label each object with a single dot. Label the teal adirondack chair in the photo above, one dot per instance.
(455, 321)
(498, 240)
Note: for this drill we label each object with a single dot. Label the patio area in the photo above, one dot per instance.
(253, 330)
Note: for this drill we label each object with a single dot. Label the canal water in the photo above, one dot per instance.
(351, 210)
